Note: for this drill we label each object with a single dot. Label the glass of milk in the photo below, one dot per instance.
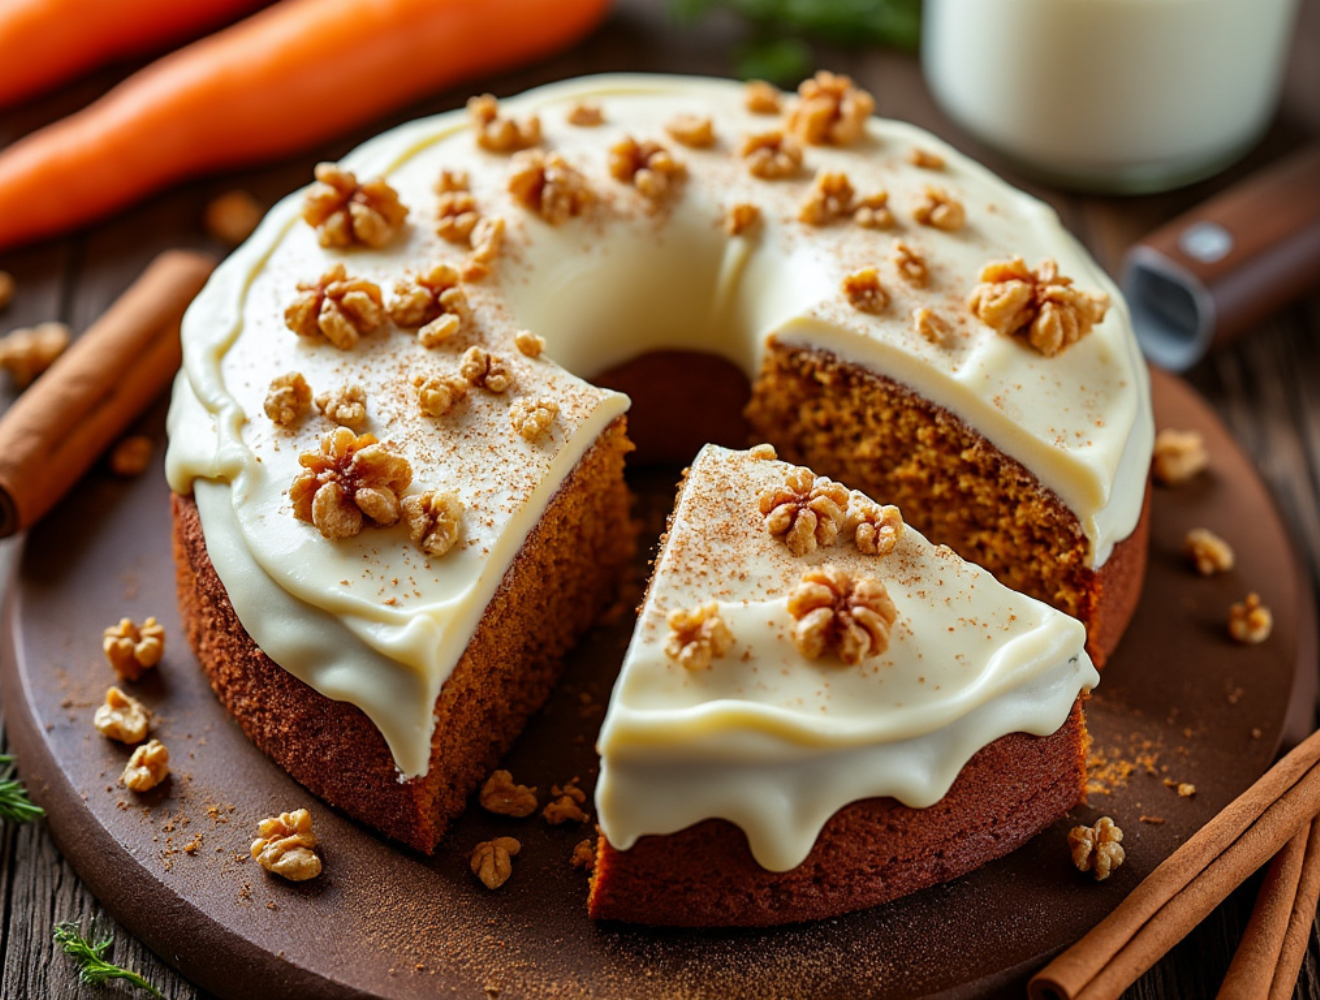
(1110, 95)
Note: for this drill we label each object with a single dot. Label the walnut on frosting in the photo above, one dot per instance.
(497, 134)
(872, 211)
(344, 212)
(829, 200)
(931, 326)
(940, 210)
(339, 308)
(742, 218)
(288, 399)
(772, 156)
(435, 520)
(528, 343)
(550, 186)
(1040, 307)
(696, 131)
(864, 291)
(485, 370)
(433, 302)
(351, 476)
(697, 636)
(910, 264)
(806, 511)
(346, 406)
(925, 159)
(438, 394)
(649, 167)
(456, 209)
(532, 417)
(585, 114)
(486, 240)
(761, 98)
(830, 111)
(837, 611)
(876, 529)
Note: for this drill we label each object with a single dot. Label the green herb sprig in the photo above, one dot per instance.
(93, 967)
(15, 806)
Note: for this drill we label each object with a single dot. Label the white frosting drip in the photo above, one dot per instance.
(776, 743)
(601, 289)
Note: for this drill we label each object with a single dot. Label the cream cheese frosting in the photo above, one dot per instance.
(777, 743)
(371, 620)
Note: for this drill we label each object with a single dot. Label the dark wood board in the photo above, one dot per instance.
(172, 865)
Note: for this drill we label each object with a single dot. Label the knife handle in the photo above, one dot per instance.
(1210, 275)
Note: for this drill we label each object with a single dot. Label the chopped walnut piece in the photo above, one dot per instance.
(586, 114)
(346, 406)
(697, 131)
(532, 417)
(938, 209)
(584, 856)
(27, 353)
(829, 200)
(876, 529)
(7, 288)
(131, 649)
(772, 156)
(501, 795)
(1040, 307)
(485, 370)
(1209, 553)
(872, 211)
(350, 476)
(807, 511)
(289, 399)
(344, 212)
(501, 135)
(121, 718)
(452, 180)
(529, 343)
(487, 240)
(435, 521)
(232, 217)
(864, 291)
(763, 452)
(697, 636)
(648, 167)
(830, 110)
(925, 159)
(910, 264)
(1179, 456)
(834, 610)
(131, 456)
(433, 302)
(549, 186)
(438, 394)
(761, 98)
(336, 307)
(286, 846)
(492, 860)
(566, 804)
(1250, 621)
(1186, 790)
(147, 768)
(1097, 849)
(931, 326)
(456, 213)
(742, 218)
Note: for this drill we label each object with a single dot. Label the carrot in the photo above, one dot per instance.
(45, 42)
(289, 76)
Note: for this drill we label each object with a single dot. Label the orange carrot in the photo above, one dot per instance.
(289, 76)
(45, 42)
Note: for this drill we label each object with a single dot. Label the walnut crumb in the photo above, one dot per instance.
(350, 476)
(502, 796)
(27, 353)
(549, 186)
(1249, 621)
(584, 856)
(829, 200)
(566, 804)
(772, 156)
(931, 326)
(761, 98)
(872, 211)
(435, 521)
(1179, 456)
(649, 167)
(830, 110)
(585, 114)
(501, 135)
(121, 718)
(529, 343)
(344, 212)
(486, 242)
(492, 862)
(876, 529)
(288, 399)
(432, 302)
(864, 291)
(925, 159)
(1209, 553)
(834, 610)
(806, 512)
(147, 768)
(940, 210)
(1040, 307)
(132, 649)
(485, 370)
(336, 307)
(456, 213)
(1097, 849)
(697, 636)
(696, 131)
(346, 406)
(763, 452)
(438, 394)
(286, 846)
(742, 218)
(910, 264)
(532, 417)
(131, 456)
(232, 217)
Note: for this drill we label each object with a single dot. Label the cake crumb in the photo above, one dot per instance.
(835, 611)
(1179, 456)
(133, 649)
(698, 636)
(504, 797)
(492, 862)
(1250, 621)
(1153, 820)
(286, 846)
(1097, 849)
(132, 456)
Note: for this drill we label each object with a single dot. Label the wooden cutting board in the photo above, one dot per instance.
(173, 867)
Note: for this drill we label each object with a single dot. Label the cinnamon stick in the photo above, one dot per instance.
(91, 394)
(1189, 883)
(1298, 935)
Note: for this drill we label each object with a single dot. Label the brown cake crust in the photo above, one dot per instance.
(583, 542)
(868, 853)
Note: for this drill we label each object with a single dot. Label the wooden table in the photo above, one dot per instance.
(1266, 388)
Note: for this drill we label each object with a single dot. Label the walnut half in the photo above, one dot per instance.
(131, 649)
(492, 860)
(806, 512)
(286, 846)
(148, 767)
(697, 636)
(344, 212)
(504, 797)
(352, 475)
(1097, 849)
(121, 718)
(836, 611)
(1040, 307)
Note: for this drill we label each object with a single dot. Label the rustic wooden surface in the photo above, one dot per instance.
(1266, 388)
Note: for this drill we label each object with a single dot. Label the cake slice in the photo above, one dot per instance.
(821, 711)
